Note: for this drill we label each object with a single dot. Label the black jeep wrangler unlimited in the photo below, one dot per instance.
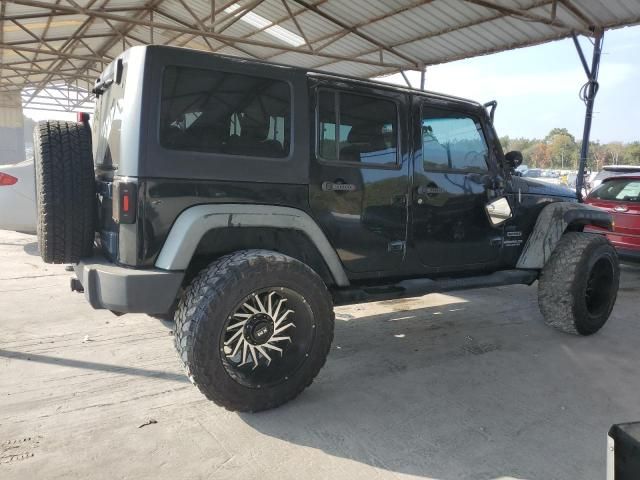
(245, 199)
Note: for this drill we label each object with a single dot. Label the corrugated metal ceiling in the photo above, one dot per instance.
(42, 43)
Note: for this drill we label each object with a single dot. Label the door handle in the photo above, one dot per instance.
(338, 186)
(430, 190)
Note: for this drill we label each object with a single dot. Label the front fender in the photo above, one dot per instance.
(553, 221)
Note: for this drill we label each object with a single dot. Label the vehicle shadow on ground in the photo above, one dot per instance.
(101, 367)
(31, 249)
(454, 393)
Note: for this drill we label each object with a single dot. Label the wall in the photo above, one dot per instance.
(11, 128)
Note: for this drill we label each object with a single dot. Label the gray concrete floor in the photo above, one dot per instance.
(470, 385)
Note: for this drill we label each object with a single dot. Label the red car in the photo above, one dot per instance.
(620, 196)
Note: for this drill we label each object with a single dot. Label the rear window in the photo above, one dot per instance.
(627, 190)
(222, 112)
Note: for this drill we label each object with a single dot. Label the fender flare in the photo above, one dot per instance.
(194, 222)
(551, 225)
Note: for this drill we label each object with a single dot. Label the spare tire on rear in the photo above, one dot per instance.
(65, 190)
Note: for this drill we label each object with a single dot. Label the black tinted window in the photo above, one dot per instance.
(219, 112)
(357, 128)
(452, 141)
(627, 190)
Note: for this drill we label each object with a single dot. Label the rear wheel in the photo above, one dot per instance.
(579, 285)
(253, 329)
(65, 191)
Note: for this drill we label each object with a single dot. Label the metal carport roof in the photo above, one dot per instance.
(64, 44)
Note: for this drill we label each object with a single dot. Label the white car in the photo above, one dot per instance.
(541, 175)
(17, 197)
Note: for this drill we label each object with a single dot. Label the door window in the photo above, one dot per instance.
(357, 128)
(452, 141)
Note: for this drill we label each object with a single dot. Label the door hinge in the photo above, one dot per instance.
(397, 246)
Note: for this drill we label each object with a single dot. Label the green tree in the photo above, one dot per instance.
(597, 156)
(615, 152)
(632, 153)
(540, 155)
(563, 150)
(559, 131)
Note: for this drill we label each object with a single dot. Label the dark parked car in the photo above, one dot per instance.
(620, 196)
(246, 199)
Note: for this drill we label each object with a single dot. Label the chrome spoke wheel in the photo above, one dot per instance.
(267, 337)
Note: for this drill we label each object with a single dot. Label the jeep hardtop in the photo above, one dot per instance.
(245, 199)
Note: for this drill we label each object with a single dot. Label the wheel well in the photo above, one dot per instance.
(576, 226)
(218, 242)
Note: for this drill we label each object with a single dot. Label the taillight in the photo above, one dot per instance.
(82, 117)
(124, 202)
(6, 179)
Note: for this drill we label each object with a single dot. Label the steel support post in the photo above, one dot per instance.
(588, 94)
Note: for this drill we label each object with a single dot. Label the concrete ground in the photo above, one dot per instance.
(464, 386)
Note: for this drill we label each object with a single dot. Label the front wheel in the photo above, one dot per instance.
(253, 329)
(579, 284)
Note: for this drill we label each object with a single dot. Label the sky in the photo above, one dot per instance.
(537, 87)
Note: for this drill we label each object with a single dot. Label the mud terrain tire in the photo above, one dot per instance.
(208, 304)
(579, 284)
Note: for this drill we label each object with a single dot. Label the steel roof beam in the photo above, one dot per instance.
(514, 12)
(54, 53)
(577, 13)
(202, 26)
(238, 15)
(188, 30)
(357, 32)
(3, 6)
(333, 37)
(297, 24)
(111, 43)
(70, 44)
(213, 16)
(32, 16)
(448, 30)
(30, 71)
(58, 39)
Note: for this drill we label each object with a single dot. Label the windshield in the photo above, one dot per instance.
(626, 190)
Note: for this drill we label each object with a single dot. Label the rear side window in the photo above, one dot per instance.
(452, 141)
(357, 128)
(220, 112)
(627, 190)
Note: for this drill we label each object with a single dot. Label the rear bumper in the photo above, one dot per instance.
(127, 290)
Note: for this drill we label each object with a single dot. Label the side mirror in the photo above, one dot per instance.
(498, 211)
(513, 159)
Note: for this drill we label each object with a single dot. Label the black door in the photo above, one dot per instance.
(452, 184)
(360, 172)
